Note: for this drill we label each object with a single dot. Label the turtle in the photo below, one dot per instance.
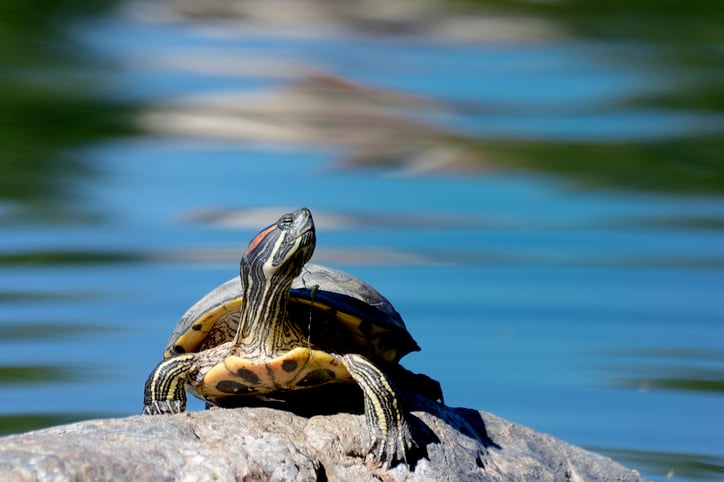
(285, 325)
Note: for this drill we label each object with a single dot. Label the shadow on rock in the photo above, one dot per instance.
(418, 393)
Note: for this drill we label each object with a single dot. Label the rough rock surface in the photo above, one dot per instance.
(261, 443)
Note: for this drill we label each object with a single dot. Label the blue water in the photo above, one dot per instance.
(530, 298)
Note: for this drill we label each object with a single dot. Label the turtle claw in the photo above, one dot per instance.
(390, 448)
(163, 407)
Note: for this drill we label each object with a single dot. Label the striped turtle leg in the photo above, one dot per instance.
(165, 387)
(390, 437)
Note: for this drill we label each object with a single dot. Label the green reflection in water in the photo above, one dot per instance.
(69, 257)
(23, 422)
(20, 296)
(671, 222)
(51, 104)
(31, 374)
(687, 33)
(683, 166)
(691, 380)
(668, 464)
(678, 44)
(669, 369)
(11, 332)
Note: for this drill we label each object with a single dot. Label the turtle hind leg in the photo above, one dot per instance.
(165, 387)
(390, 437)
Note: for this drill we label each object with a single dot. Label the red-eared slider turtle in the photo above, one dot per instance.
(285, 327)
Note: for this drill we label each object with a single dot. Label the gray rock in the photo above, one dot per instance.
(261, 443)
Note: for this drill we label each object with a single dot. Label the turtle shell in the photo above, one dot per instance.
(336, 311)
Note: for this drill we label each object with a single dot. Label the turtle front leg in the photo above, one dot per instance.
(390, 437)
(165, 390)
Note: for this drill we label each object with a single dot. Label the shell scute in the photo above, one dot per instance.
(336, 311)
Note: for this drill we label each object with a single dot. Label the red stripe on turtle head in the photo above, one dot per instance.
(259, 238)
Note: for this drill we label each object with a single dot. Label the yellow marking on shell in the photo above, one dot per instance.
(193, 337)
(267, 376)
(376, 333)
(347, 319)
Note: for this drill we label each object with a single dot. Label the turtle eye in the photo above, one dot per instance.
(286, 221)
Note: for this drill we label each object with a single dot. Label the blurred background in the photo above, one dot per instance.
(536, 186)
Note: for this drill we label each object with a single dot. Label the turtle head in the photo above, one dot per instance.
(278, 253)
